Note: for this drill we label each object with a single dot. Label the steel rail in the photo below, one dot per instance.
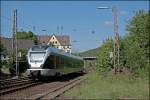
(16, 87)
(53, 93)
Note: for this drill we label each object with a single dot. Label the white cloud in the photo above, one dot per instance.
(108, 23)
(123, 12)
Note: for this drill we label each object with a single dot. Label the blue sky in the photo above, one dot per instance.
(85, 24)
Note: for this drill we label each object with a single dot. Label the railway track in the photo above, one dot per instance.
(55, 92)
(8, 82)
(47, 90)
(61, 90)
(11, 85)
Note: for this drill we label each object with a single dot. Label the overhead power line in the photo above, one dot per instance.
(21, 27)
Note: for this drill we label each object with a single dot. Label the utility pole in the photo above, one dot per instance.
(14, 44)
(116, 56)
(13, 37)
(116, 52)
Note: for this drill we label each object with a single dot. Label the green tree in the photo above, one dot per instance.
(105, 63)
(22, 62)
(134, 47)
(27, 35)
(136, 42)
(1, 47)
(138, 28)
(23, 65)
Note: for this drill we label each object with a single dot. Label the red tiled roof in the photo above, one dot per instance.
(63, 39)
(44, 38)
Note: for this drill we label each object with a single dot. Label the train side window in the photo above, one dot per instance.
(50, 62)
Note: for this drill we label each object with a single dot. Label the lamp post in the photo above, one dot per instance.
(116, 37)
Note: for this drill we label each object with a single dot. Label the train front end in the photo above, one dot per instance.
(36, 57)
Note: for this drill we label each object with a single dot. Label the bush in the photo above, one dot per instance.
(105, 63)
(22, 62)
(134, 47)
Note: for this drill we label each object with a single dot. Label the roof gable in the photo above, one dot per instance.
(44, 39)
(62, 39)
(53, 37)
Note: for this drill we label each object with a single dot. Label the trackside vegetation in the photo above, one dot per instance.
(110, 86)
(134, 47)
(27, 35)
(22, 61)
(132, 78)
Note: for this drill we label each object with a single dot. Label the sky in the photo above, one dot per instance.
(86, 25)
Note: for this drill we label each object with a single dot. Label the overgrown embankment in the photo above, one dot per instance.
(132, 78)
(134, 47)
(110, 86)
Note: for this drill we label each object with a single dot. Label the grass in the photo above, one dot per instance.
(110, 86)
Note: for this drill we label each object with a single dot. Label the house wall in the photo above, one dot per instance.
(57, 44)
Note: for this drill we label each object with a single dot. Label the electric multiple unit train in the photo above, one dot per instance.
(45, 61)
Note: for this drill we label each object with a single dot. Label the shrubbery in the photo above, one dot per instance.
(22, 62)
(134, 47)
(27, 35)
(105, 63)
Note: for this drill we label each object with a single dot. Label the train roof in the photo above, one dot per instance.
(54, 50)
(39, 47)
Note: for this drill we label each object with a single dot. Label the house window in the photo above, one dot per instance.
(53, 37)
(56, 42)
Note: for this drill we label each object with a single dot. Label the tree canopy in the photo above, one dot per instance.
(1, 47)
(27, 35)
(137, 41)
(104, 60)
(134, 46)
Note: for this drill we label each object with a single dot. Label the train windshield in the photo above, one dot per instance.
(37, 56)
(39, 47)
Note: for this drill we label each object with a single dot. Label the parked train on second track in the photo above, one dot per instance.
(45, 61)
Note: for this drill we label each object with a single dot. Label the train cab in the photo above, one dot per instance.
(46, 61)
